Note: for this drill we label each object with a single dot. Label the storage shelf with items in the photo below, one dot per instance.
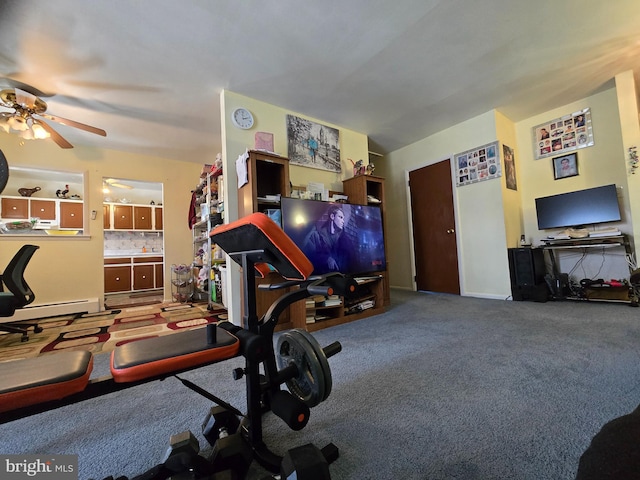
(320, 312)
(209, 203)
(181, 283)
(267, 182)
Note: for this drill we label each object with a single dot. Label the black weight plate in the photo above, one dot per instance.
(309, 384)
(324, 363)
(4, 171)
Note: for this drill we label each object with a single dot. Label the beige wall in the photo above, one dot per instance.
(68, 269)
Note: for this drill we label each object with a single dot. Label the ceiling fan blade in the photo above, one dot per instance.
(55, 136)
(72, 123)
(14, 83)
(112, 182)
(25, 99)
(121, 185)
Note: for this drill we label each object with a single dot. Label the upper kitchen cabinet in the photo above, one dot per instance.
(38, 202)
(132, 205)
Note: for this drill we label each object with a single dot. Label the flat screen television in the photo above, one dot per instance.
(336, 236)
(579, 208)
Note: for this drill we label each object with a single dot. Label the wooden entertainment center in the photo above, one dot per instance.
(268, 181)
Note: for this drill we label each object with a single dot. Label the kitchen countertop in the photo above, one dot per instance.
(131, 253)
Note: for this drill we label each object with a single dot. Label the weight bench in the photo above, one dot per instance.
(255, 242)
(34, 385)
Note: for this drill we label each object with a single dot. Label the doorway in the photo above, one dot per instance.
(133, 243)
(434, 233)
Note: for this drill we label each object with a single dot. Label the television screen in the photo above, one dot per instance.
(580, 208)
(336, 237)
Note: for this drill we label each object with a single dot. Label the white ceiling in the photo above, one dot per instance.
(150, 72)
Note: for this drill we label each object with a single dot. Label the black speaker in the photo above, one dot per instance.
(527, 270)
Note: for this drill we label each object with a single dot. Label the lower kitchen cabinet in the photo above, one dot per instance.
(117, 279)
(124, 274)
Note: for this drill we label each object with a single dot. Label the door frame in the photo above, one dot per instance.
(412, 250)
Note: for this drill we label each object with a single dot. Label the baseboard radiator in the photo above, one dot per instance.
(90, 305)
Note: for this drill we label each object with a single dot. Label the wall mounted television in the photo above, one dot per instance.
(356, 250)
(579, 208)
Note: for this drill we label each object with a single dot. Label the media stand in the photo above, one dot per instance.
(622, 294)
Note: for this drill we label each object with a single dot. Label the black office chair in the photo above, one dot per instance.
(19, 294)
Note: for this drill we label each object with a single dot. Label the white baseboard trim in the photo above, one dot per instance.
(90, 305)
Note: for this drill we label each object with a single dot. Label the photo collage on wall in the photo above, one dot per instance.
(563, 134)
(478, 164)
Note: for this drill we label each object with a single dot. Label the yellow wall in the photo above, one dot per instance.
(67, 269)
(601, 164)
(511, 199)
(630, 131)
(270, 118)
(479, 220)
(490, 217)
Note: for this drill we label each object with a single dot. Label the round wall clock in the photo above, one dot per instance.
(242, 118)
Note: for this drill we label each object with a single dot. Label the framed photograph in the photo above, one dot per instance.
(311, 144)
(565, 166)
(479, 164)
(562, 135)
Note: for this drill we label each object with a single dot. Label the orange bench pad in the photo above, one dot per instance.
(42, 379)
(258, 231)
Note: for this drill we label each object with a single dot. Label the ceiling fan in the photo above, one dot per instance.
(23, 120)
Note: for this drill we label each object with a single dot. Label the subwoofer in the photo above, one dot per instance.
(527, 270)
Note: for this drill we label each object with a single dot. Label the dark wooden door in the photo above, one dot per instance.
(434, 236)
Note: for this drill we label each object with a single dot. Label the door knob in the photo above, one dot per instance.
(450, 230)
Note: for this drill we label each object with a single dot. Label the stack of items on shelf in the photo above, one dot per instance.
(362, 305)
(607, 232)
(316, 303)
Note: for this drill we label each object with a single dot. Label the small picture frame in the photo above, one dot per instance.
(565, 166)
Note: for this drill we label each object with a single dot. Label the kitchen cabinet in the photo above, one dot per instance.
(50, 213)
(133, 273)
(43, 209)
(15, 208)
(142, 219)
(157, 213)
(117, 278)
(71, 214)
(106, 216)
(123, 217)
(132, 217)
(159, 275)
(143, 277)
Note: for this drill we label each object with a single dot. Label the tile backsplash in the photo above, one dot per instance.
(132, 241)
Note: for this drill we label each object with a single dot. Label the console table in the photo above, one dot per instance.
(615, 241)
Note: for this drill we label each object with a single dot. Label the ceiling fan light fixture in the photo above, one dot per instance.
(18, 123)
(39, 133)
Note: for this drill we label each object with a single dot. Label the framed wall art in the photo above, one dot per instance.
(311, 144)
(565, 166)
(563, 134)
(509, 167)
(478, 164)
